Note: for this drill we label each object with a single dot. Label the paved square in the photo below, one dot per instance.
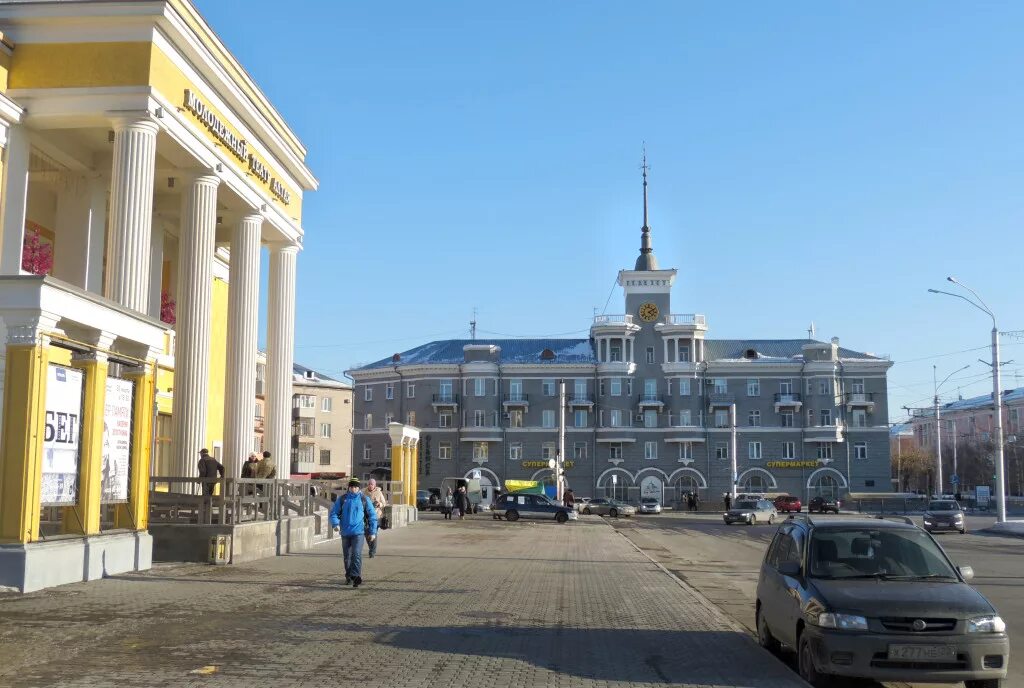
(475, 603)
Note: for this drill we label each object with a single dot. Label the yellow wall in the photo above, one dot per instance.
(75, 65)
(218, 363)
(5, 68)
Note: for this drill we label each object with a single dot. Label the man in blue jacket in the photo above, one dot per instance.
(354, 515)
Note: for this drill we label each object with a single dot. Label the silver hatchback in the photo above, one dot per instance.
(751, 512)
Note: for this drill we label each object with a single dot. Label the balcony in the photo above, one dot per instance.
(824, 433)
(650, 400)
(581, 400)
(677, 421)
(258, 423)
(304, 429)
(860, 399)
(787, 400)
(613, 320)
(303, 411)
(440, 400)
(721, 399)
(303, 466)
(516, 399)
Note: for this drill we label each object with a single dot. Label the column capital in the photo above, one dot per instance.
(252, 217)
(30, 330)
(284, 247)
(141, 121)
(201, 178)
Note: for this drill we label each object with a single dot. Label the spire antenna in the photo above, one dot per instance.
(644, 166)
(646, 260)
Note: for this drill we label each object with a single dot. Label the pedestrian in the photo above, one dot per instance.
(569, 499)
(353, 515)
(266, 470)
(696, 501)
(378, 500)
(462, 502)
(689, 501)
(449, 503)
(728, 501)
(250, 466)
(209, 469)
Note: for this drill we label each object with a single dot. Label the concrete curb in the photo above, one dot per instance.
(1008, 529)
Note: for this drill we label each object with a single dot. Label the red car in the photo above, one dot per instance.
(787, 503)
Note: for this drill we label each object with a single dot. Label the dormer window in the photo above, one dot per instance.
(547, 355)
(750, 354)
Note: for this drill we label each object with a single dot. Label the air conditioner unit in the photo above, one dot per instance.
(639, 416)
(506, 416)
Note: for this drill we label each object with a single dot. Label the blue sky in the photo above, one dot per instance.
(811, 161)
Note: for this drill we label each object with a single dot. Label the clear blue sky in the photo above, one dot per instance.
(811, 161)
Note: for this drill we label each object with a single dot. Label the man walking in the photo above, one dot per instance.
(378, 500)
(209, 467)
(354, 516)
(462, 502)
(569, 499)
(265, 469)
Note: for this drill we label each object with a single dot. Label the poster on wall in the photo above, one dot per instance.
(117, 440)
(651, 487)
(62, 436)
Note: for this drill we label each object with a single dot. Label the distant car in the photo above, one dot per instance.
(944, 514)
(422, 500)
(788, 503)
(581, 503)
(649, 505)
(876, 599)
(823, 504)
(609, 507)
(750, 512)
(516, 506)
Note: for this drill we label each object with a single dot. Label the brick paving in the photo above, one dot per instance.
(477, 603)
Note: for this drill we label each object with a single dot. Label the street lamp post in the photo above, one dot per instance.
(997, 395)
(938, 425)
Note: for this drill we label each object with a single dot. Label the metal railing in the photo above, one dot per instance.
(787, 398)
(228, 501)
(517, 398)
(613, 319)
(651, 399)
(445, 399)
(684, 319)
(860, 397)
(581, 399)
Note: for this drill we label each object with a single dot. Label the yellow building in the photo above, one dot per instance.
(143, 173)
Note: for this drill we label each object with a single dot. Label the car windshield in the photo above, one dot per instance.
(885, 553)
(943, 506)
(746, 505)
(649, 500)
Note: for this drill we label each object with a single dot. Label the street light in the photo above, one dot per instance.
(938, 423)
(997, 395)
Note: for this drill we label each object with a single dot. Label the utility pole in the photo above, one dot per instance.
(472, 326)
(732, 448)
(560, 457)
(938, 433)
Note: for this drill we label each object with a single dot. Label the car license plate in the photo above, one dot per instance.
(927, 653)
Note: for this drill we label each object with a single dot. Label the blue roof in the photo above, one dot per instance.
(450, 351)
(984, 400)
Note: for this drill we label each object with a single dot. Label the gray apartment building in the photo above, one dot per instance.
(321, 424)
(654, 406)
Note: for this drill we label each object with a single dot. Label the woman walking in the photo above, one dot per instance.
(448, 504)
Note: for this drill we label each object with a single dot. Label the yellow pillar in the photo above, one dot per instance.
(84, 517)
(21, 450)
(413, 472)
(397, 470)
(135, 514)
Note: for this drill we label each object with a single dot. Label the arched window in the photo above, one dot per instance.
(754, 482)
(825, 486)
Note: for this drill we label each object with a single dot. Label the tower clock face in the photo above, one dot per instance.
(648, 312)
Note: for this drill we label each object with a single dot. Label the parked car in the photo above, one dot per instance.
(944, 514)
(609, 507)
(876, 599)
(581, 503)
(750, 512)
(422, 500)
(649, 505)
(823, 504)
(516, 506)
(788, 503)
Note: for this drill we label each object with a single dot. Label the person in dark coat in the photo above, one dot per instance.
(696, 501)
(250, 465)
(569, 499)
(209, 467)
(461, 502)
(728, 501)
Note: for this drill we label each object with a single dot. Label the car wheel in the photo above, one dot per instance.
(614, 513)
(963, 532)
(512, 515)
(805, 664)
(561, 517)
(751, 521)
(764, 636)
(771, 519)
(587, 512)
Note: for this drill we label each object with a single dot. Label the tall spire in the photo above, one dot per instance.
(646, 260)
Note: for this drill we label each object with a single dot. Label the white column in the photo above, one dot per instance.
(280, 353)
(156, 269)
(71, 252)
(243, 324)
(14, 199)
(97, 233)
(131, 213)
(192, 331)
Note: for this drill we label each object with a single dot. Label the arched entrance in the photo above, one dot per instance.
(683, 481)
(756, 480)
(826, 482)
(547, 476)
(614, 489)
(652, 483)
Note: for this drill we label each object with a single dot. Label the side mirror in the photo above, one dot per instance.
(789, 568)
(966, 571)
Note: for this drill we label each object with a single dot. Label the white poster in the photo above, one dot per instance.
(62, 437)
(117, 440)
(651, 486)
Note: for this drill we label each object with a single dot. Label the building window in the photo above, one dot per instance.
(479, 418)
(389, 418)
(444, 419)
(447, 390)
(789, 450)
(650, 354)
(787, 419)
(857, 386)
(410, 418)
(650, 450)
(650, 418)
(547, 418)
(754, 418)
(721, 385)
(721, 450)
(547, 451)
(753, 387)
(581, 418)
(479, 451)
(616, 417)
(305, 427)
(684, 386)
(684, 353)
(629, 386)
(786, 387)
(444, 450)
(515, 390)
(685, 419)
(721, 419)
(686, 450)
(615, 451)
(580, 389)
(825, 386)
(368, 421)
(548, 387)
(579, 451)
(325, 457)
(810, 418)
(367, 453)
(305, 401)
(826, 417)
(824, 450)
(327, 405)
(325, 431)
(754, 451)
(650, 389)
(1014, 420)
(479, 386)
(389, 391)
(616, 386)
(410, 390)
(368, 393)
(860, 450)
(810, 386)
(860, 418)
(515, 418)
(615, 352)
(600, 386)
(515, 451)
